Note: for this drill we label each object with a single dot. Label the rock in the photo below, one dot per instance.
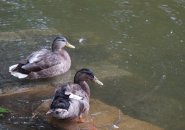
(101, 117)
(33, 92)
(26, 34)
(26, 101)
(102, 67)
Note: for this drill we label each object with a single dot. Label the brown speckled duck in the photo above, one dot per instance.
(71, 100)
(44, 63)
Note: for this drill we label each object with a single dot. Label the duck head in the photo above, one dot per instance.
(60, 42)
(85, 75)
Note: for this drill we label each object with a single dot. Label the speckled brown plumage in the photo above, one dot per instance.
(45, 63)
(71, 100)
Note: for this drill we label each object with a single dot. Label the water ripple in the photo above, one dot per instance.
(13, 14)
(172, 13)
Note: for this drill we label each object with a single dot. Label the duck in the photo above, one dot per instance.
(71, 100)
(44, 63)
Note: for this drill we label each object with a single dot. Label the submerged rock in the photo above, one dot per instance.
(101, 116)
(26, 34)
(101, 70)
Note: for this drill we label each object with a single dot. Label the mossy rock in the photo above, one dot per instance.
(3, 111)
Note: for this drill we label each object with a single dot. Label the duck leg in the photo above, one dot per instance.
(81, 119)
(93, 125)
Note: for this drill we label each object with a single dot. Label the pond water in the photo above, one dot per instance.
(137, 49)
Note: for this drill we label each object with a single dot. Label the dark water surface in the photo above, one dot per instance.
(139, 43)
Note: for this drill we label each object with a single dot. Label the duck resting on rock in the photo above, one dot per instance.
(71, 100)
(44, 63)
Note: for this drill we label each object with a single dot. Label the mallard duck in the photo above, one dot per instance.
(71, 100)
(44, 63)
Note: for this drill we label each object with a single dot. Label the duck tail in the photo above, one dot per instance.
(12, 70)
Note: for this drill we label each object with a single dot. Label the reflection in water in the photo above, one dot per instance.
(136, 48)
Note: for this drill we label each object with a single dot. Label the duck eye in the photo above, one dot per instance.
(91, 76)
(63, 40)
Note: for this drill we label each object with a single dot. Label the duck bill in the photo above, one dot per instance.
(97, 81)
(69, 45)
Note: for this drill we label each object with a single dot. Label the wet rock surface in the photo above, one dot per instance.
(26, 101)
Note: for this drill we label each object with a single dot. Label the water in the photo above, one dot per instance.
(143, 38)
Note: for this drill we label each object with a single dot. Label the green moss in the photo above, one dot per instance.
(3, 111)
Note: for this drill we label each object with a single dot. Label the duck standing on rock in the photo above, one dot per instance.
(71, 100)
(44, 63)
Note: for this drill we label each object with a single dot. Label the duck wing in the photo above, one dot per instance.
(37, 56)
(25, 66)
(79, 100)
(40, 60)
(75, 91)
(70, 101)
